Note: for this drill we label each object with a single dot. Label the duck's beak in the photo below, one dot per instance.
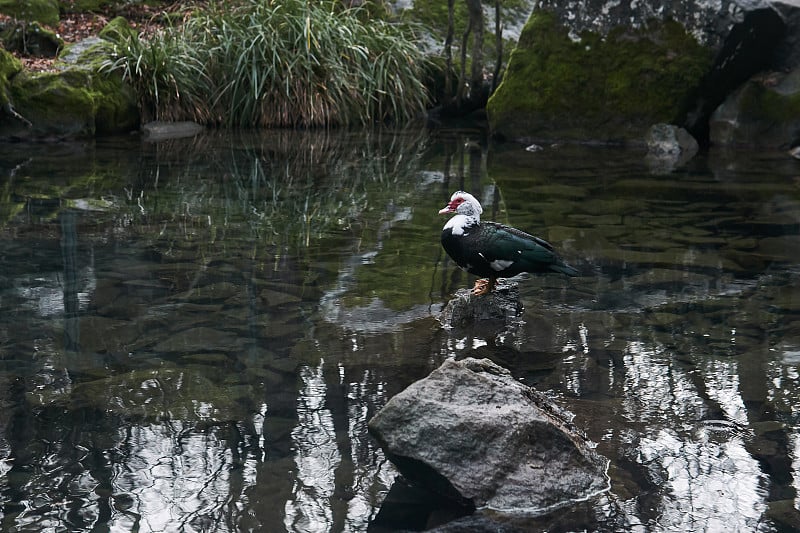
(447, 209)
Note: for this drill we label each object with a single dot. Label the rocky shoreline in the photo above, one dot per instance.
(580, 72)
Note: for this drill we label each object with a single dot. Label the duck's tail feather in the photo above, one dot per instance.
(564, 268)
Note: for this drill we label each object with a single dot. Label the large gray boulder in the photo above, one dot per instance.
(764, 110)
(607, 70)
(762, 113)
(709, 21)
(474, 434)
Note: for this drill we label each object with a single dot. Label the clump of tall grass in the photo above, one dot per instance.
(287, 63)
(166, 72)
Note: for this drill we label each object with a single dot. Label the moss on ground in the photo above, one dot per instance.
(44, 11)
(596, 88)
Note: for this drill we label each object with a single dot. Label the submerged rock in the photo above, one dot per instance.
(472, 433)
(503, 303)
(666, 140)
(669, 147)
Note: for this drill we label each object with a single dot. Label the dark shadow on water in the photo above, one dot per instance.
(411, 508)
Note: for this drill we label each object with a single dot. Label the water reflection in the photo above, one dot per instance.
(195, 333)
(707, 477)
(316, 455)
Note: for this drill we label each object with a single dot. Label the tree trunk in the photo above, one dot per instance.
(476, 73)
(498, 32)
(448, 50)
(462, 77)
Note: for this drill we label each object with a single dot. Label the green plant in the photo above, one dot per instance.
(292, 63)
(166, 72)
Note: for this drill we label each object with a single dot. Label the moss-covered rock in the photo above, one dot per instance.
(78, 100)
(118, 30)
(93, 52)
(611, 87)
(31, 38)
(9, 67)
(59, 104)
(72, 103)
(44, 11)
(764, 112)
(117, 111)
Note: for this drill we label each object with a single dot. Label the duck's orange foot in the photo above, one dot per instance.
(483, 286)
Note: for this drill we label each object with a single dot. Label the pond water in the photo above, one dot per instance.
(195, 333)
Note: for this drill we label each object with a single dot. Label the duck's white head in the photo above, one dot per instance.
(467, 209)
(463, 203)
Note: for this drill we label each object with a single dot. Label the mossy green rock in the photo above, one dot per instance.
(9, 67)
(31, 38)
(44, 11)
(610, 88)
(72, 103)
(57, 104)
(118, 30)
(79, 100)
(764, 112)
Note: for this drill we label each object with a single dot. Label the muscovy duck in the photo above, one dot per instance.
(491, 250)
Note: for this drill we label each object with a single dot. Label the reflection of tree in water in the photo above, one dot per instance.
(707, 476)
(203, 390)
(156, 417)
(293, 186)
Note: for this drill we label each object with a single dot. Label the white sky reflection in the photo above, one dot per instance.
(316, 456)
(177, 480)
(710, 480)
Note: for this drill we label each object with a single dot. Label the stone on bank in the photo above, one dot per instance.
(595, 87)
(603, 70)
(764, 113)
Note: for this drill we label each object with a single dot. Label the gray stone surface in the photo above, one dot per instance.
(503, 303)
(160, 131)
(471, 432)
(669, 146)
(764, 112)
(709, 21)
